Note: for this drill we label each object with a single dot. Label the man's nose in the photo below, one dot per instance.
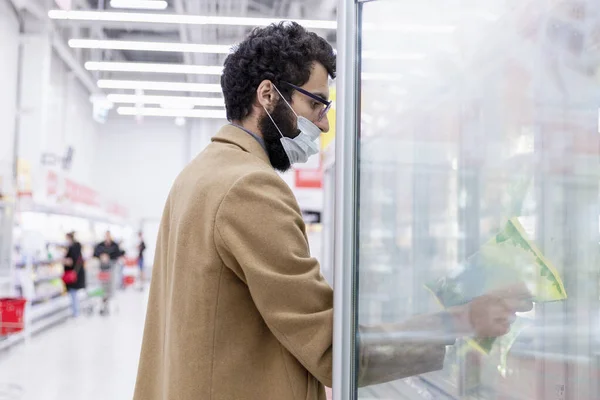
(323, 124)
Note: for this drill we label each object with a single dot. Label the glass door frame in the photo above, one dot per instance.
(346, 201)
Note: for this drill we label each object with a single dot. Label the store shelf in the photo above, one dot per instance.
(41, 310)
(11, 341)
(45, 298)
(47, 278)
(44, 279)
(36, 263)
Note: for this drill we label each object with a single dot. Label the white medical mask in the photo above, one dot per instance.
(303, 146)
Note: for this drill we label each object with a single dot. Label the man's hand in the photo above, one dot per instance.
(104, 258)
(492, 314)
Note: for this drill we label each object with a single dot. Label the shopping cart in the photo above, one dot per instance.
(101, 283)
(108, 276)
(12, 312)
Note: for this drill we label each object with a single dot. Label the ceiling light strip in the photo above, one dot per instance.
(116, 98)
(116, 16)
(161, 112)
(149, 46)
(154, 85)
(151, 67)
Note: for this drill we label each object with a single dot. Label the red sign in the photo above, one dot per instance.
(80, 194)
(309, 178)
(76, 193)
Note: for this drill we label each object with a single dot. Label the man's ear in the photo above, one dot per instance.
(266, 95)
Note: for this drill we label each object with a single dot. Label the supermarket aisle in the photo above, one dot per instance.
(91, 358)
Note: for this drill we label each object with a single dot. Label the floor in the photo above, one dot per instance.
(91, 358)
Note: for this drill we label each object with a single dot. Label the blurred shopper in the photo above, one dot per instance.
(74, 266)
(141, 250)
(109, 252)
(238, 308)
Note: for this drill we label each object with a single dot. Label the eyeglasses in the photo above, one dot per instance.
(327, 104)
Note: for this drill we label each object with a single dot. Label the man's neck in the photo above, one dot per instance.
(250, 124)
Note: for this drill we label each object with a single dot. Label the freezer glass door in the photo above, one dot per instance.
(478, 180)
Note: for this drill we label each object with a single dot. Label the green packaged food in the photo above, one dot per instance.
(509, 258)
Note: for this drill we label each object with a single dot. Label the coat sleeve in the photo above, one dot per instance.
(260, 235)
(395, 351)
(259, 226)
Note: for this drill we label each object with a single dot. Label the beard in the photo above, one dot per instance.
(285, 120)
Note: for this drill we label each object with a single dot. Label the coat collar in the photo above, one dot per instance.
(234, 135)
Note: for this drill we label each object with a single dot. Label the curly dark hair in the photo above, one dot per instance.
(278, 52)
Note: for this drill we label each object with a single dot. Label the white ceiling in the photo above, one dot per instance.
(208, 34)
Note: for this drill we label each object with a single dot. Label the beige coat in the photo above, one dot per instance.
(238, 308)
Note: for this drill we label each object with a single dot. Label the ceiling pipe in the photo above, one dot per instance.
(61, 49)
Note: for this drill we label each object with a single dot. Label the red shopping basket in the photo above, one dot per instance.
(11, 315)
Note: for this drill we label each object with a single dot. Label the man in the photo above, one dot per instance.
(109, 252)
(238, 308)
